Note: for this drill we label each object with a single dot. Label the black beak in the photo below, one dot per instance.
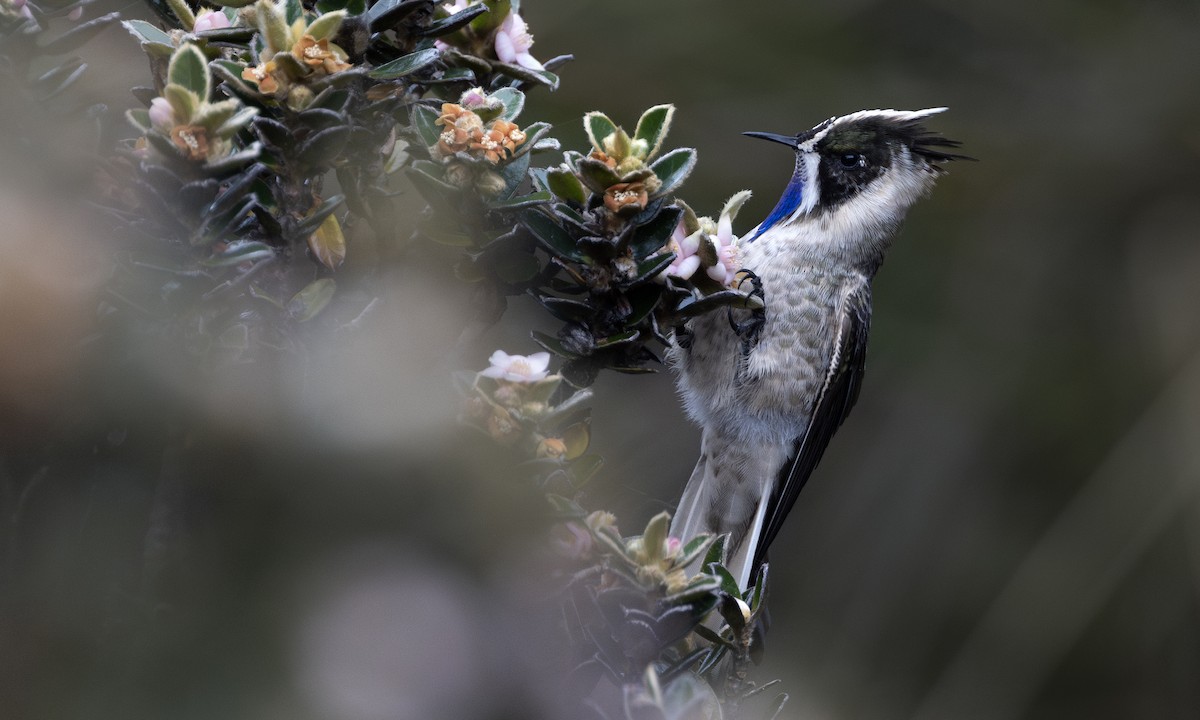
(789, 140)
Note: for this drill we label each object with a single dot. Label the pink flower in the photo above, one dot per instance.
(75, 14)
(513, 42)
(518, 368)
(162, 117)
(21, 6)
(727, 252)
(210, 20)
(684, 246)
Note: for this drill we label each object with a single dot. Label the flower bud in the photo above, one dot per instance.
(490, 184)
(553, 448)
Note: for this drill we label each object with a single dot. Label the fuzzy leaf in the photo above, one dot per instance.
(328, 244)
(653, 126)
(236, 160)
(618, 339)
(405, 65)
(294, 10)
(652, 266)
(309, 302)
(184, 102)
(567, 310)
(699, 587)
(673, 168)
(598, 126)
(696, 547)
(55, 81)
(237, 121)
(722, 298)
(596, 175)
(513, 100)
(189, 69)
(566, 185)
(139, 118)
(326, 26)
(146, 33)
(273, 26)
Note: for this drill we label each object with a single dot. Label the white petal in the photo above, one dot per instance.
(725, 230)
(504, 46)
(687, 267)
(526, 60)
(538, 362)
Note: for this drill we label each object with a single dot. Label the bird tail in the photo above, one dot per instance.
(728, 493)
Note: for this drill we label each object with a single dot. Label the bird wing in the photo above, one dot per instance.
(837, 396)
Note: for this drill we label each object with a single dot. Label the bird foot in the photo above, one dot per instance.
(750, 329)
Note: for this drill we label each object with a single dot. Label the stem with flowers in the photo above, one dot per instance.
(271, 144)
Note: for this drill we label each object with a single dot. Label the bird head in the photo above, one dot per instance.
(872, 165)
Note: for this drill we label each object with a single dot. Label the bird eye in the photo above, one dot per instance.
(852, 160)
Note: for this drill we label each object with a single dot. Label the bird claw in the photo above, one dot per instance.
(750, 329)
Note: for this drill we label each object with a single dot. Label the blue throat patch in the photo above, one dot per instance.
(793, 194)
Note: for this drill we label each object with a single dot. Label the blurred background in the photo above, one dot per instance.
(1007, 527)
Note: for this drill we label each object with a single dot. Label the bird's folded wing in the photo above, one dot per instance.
(834, 401)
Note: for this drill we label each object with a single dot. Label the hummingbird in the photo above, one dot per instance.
(769, 388)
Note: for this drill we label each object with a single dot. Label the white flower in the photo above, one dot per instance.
(162, 117)
(518, 368)
(513, 42)
(210, 20)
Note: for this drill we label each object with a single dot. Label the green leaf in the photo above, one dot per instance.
(139, 118)
(585, 468)
(405, 65)
(566, 185)
(551, 344)
(436, 192)
(189, 69)
(596, 175)
(322, 148)
(694, 549)
(294, 10)
(146, 33)
(386, 14)
(352, 7)
(515, 267)
(547, 232)
(237, 121)
(652, 128)
(55, 81)
(565, 507)
(533, 134)
(456, 21)
(497, 11)
(654, 537)
(523, 201)
(653, 236)
(524, 74)
(618, 339)
(453, 75)
(513, 100)
(184, 102)
(699, 587)
(214, 115)
(314, 220)
(309, 302)
(236, 160)
(230, 73)
(424, 119)
(650, 268)
(238, 253)
(326, 26)
(673, 168)
(78, 35)
(567, 310)
(716, 551)
(598, 126)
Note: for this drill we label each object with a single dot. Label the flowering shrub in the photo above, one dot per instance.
(272, 140)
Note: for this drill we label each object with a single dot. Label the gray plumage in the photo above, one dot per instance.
(769, 400)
